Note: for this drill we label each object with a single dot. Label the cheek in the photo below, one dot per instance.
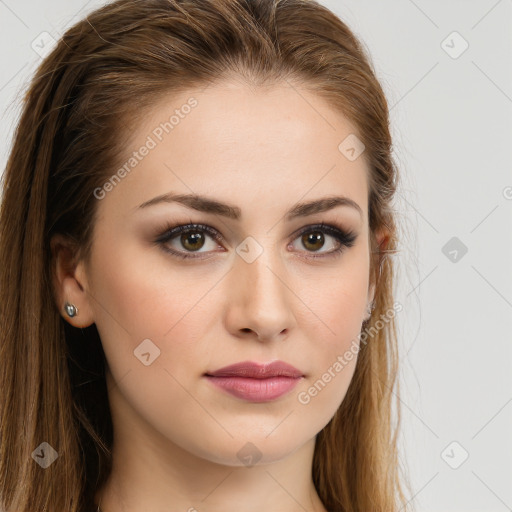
(333, 329)
(135, 299)
(339, 300)
(159, 304)
(334, 352)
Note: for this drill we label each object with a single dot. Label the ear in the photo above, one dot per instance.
(69, 281)
(382, 237)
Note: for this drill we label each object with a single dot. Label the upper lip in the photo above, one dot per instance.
(254, 370)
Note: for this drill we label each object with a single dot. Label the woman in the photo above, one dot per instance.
(197, 306)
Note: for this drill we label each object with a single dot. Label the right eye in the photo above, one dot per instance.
(191, 237)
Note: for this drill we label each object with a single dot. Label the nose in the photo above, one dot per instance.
(260, 300)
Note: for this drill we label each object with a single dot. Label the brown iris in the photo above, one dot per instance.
(192, 240)
(311, 238)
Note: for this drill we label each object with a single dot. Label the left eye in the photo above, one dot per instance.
(192, 238)
(315, 240)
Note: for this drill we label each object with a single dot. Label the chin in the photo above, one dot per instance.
(250, 451)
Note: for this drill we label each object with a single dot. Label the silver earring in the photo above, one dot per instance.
(371, 307)
(71, 309)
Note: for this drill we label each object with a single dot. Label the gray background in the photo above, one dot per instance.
(452, 120)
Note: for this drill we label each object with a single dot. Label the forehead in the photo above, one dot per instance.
(267, 145)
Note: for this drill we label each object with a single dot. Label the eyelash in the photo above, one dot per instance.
(345, 238)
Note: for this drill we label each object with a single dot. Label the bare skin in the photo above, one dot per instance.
(177, 438)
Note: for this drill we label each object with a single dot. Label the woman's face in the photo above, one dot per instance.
(263, 284)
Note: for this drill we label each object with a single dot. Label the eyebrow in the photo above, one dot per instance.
(210, 205)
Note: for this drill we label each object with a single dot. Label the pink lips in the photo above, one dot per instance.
(256, 382)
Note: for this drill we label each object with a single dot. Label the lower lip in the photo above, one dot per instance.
(255, 390)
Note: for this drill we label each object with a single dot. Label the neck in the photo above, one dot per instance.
(142, 486)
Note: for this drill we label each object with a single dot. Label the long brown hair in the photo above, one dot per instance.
(77, 116)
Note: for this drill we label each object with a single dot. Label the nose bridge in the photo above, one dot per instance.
(260, 264)
(262, 296)
(262, 276)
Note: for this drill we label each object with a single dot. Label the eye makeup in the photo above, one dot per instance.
(343, 238)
